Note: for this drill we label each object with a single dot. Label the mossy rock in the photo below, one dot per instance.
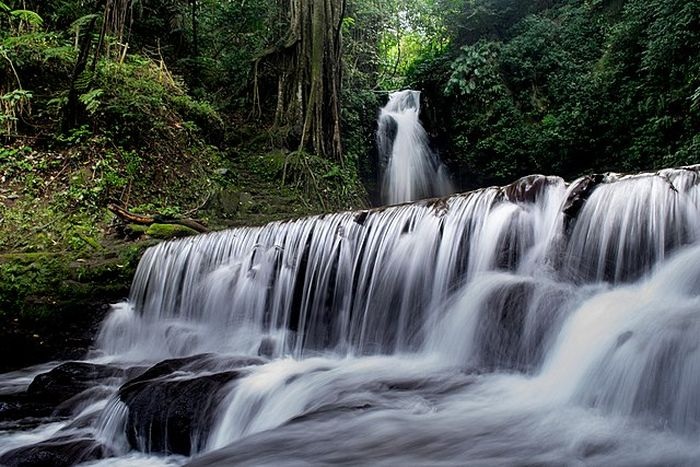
(137, 228)
(168, 231)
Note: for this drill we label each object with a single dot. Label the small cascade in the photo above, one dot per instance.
(410, 169)
(542, 322)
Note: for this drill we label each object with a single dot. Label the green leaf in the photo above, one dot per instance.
(29, 16)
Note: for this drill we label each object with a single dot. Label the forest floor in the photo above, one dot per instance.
(65, 257)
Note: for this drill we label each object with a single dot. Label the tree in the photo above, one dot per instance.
(308, 63)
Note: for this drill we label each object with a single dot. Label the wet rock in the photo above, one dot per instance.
(171, 404)
(527, 189)
(225, 202)
(55, 453)
(501, 340)
(172, 416)
(134, 231)
(361, 217)
(579, 192)
(194, 363)
(70, 379)
(267, 347)
(20, 411)
(82, 400)
(385, 138)
(54, 394)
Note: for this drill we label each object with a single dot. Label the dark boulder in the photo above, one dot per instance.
(70, 379)
(19, 411)
(171, 404)
(174, 415)
(267, 347)
(54, 394)
(528, 189)
(579, 192)
(195, 363)
(57, 452)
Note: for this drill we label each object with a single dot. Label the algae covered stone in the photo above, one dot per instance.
(168, 231)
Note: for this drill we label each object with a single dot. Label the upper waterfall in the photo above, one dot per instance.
(410, 169)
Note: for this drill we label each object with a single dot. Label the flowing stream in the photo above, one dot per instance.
(541, 323)
(410, 169)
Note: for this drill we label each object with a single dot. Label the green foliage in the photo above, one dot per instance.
(18, 18)
(476, 73)
(91, 100)
(411, 30)
(569, 88)
(332, 185)
(27, 16)
(13, 105)
(14, 160)
(19, 276)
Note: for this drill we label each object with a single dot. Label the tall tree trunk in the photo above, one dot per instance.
(195, 41)
(310, 74)
(71, 112)
(116, 18)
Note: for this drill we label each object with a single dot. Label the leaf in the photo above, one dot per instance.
(82, 21)
(29, 16)
(91, 100)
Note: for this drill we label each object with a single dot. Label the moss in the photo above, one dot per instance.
(168, 231)
(43, 284)
(51, 304)
(137, 228)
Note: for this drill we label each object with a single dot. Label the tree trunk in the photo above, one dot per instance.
(71, 112)
(195, 41)
(309, 76)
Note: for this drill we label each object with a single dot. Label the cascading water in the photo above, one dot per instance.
(538, 323)
(410, 169)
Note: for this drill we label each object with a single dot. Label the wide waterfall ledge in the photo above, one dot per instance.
(379, 281)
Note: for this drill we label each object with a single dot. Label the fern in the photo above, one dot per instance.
(84, 81)
(91, 100)
(28, 16)
(82, 21)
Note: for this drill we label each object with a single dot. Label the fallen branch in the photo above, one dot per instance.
(141, 219)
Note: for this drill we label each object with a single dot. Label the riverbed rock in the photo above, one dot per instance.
(171, 405)
(173, 415)
(19, 411)
(528, 189)
(70, 379)
(194, 363)
(580, 190)
(57, 452)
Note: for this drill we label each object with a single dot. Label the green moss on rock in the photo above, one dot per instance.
(51, 304)
(137, 228)
(168, 231)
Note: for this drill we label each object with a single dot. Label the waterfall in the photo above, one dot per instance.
(369, 282)
(410, 169)
(543, 322)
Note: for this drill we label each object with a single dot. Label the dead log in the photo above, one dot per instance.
(141, 219)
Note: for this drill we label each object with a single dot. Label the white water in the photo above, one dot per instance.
(493, 328)
(411, 170)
